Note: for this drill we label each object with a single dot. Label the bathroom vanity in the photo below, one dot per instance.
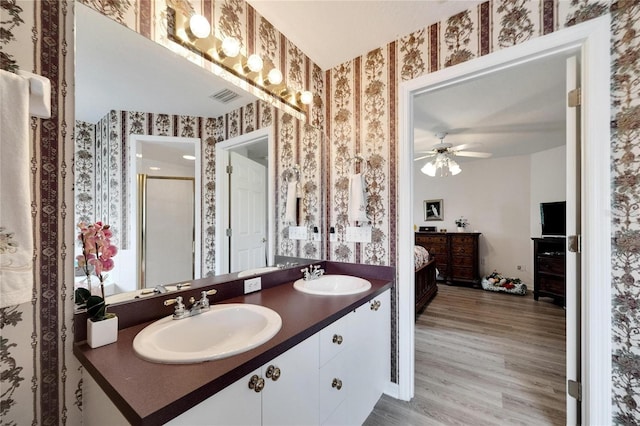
(328, 364)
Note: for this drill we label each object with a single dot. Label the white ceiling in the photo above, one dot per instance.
(117, 68)
(331, 32)
(515, 111)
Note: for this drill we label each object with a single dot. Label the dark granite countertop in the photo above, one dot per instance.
(149, 393)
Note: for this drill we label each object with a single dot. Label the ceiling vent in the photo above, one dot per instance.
(225, 96)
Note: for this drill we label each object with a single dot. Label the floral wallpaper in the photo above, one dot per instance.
(356, 108)
(625, 129)
(40, 376)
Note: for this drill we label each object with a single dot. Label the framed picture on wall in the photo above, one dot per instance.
(433, 210)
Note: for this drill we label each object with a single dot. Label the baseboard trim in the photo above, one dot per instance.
(392, 389)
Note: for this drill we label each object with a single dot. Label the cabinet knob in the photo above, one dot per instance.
(375, 305)
(273, 373)
(256, 383)
(337, 383)
(337, 339)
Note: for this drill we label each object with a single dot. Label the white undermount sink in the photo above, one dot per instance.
(257, 271)
(333, 285)
(222, 331)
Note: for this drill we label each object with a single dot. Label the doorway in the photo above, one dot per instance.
(237, 248)
(155, 157)
(592, 38)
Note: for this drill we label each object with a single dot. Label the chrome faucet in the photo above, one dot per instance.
(197, 307)
(312, 273)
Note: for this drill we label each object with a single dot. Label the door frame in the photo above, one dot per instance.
(222, 193)
(593, 39)
(132, 173)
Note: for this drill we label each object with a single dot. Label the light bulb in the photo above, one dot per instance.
(454, 168)
(306, 97)
(429, 169)
(189, 157)
(274, 77)
(199, 26)
(254, 63)
(230, 47)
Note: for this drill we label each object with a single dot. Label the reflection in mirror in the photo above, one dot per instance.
(165, 205)
(147, 95)
(244, 202)
(126, 84)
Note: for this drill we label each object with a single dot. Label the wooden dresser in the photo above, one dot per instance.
(549, 265)
(456, 254)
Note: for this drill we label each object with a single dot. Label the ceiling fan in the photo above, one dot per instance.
(444, 148)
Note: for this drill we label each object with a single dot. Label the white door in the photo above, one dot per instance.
(572, 276)
(248, 213)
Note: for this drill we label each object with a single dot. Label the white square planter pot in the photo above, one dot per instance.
(100, 333)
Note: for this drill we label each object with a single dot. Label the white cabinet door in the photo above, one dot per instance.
(293, 399)
(370, 356)
(235, 405)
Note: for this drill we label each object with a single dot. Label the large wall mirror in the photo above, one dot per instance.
(144, 123)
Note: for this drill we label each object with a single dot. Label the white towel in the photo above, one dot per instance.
(16, 233)
(290, 207)
(357, 208)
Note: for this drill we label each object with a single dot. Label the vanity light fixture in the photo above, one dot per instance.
(195, 33)
(305, 97)
(230, 48)
(189, 157)
(254, 64)
(154, 168)
(274, 77)
(199, 26)
(138, 155)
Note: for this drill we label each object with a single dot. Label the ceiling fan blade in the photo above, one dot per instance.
(473, 154)
(464, 146)
(424, 156)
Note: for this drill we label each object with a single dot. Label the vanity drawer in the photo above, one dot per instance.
(334, 386)
(334, 338)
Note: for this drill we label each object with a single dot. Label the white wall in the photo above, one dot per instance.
(494, 195)
(501, 199)
(548, 182)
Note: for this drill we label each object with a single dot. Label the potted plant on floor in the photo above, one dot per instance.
(97, 255)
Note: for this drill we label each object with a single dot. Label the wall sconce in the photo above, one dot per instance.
(195, 34)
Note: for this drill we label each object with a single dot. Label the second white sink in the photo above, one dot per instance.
(224, 330)
(333, 285)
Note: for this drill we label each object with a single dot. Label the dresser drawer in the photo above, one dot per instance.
(551, 284)
(552, 265)
(462, 261)
(432, 239)
(463, 273)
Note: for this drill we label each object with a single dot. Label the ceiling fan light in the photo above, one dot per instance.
(454, 169)
(429, 169)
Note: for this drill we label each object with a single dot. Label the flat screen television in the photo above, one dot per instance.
(553, 217)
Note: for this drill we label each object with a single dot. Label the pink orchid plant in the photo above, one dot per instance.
(97, 252)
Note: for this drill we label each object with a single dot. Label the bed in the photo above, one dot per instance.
(425, 278)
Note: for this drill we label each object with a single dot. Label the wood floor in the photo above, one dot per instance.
(484, 358)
